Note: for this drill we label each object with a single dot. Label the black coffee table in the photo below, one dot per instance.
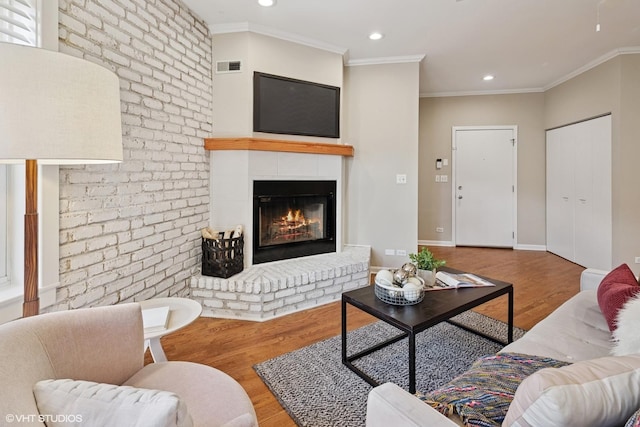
(437, 306)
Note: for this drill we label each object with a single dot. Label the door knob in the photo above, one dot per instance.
(459, 197)
(459, 187)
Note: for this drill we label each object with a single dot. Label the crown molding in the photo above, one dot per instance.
(239, 27)
(481, 92)
(268, 31)
(601, 60)
(385, 60)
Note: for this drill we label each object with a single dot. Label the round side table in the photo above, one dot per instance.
(182, 312)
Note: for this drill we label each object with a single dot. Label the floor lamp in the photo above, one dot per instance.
(55, 110)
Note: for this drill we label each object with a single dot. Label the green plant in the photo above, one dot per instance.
(425, 260)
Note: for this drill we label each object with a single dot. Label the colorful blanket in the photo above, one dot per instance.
(482, 395)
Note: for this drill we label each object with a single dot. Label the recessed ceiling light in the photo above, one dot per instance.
(375, 36)
(266, 3)
(487, 77)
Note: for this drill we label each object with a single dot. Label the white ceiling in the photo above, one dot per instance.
(529, 45)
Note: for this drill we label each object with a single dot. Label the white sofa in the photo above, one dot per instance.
(576, 331)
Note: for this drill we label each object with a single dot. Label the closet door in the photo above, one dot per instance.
(579, 226)
(560, 193)
(593, 227)
(583, 146)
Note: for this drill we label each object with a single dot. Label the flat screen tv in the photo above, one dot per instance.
(295, 107)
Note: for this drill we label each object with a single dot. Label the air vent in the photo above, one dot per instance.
(228, 67)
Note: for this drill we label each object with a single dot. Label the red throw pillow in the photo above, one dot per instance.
(613, 292)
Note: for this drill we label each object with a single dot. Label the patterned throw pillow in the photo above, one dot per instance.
(634, 421)
(482, 395)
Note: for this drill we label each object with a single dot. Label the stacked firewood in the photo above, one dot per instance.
(210, 233)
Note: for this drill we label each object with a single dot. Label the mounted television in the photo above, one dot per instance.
(295, 107)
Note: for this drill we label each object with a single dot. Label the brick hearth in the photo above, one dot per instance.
(265, 291)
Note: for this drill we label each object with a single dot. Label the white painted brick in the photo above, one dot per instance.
(353, 285)
(131, 290)
(294, 300)
(324, 283)
(327, 299)
(303, 289)
(87, 232)
(142, 275)
(251, 298)
(84, 16)
(314, 294)
(238, 306)
(101, 242)
(272, 305)
(285, 293)
(70, 23)
(226, 296)
(342, 279)
(213, 304)
(114, 8)
(335, 289)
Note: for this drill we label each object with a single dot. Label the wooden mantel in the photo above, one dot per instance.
(261, 144)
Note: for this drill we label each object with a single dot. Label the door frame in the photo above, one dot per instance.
(454, 130)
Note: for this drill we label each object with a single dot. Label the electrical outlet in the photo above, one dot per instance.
(444, 178)
(389, 252)
(401, 252)
(437, 178)
(439, 229)
(401, 178)
(638, 260)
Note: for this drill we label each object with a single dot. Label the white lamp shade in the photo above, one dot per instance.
(57, 109)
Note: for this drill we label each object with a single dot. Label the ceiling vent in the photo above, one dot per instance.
(228, 67)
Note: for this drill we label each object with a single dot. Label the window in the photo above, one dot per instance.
(3, 227)
(32, 23)
(19, 22)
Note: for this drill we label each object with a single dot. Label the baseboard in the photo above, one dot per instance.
(435, 243)
(448, 243)
(444, 243)
(541, 248)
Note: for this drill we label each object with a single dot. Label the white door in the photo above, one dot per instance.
(484, 186)
(560, 193)
(579, 192)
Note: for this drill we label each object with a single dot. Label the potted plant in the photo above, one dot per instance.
(426, 264)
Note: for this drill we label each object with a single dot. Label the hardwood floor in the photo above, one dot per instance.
(542, 282)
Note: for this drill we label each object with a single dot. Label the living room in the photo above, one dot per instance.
(131, 231)
(164, 127)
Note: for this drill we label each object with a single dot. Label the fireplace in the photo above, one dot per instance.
(293, 219)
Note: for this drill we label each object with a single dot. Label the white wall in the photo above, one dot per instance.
(233, 172)
(233, 92)
(381, 122)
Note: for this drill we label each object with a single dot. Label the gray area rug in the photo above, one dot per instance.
(316, 389)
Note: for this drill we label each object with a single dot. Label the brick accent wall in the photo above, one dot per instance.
(131, 231)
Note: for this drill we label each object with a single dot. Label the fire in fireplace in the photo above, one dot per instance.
(293, 219)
